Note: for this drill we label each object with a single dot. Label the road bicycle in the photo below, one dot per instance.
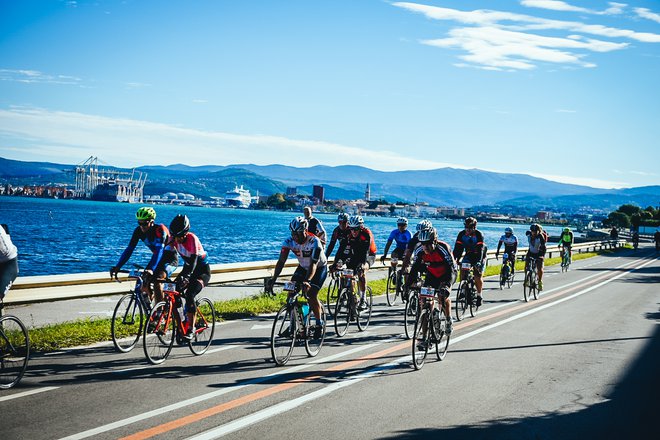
(347, 310)
(430, 327)
(411, 310)
(394, 286)
(530, 286)
(130, 311)
(565, 260)
(166, 323)
(293, 322)
(14, 350)
(466, 295)
(333, 292)
(507, 273)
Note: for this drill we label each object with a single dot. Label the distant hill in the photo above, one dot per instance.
(441, 187)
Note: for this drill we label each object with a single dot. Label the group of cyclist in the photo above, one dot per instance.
(423, 254)
(166, 244)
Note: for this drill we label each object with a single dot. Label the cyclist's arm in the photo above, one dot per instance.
(129, 249)
(387, 248)
(158, 248)
(499, 245)
(333, 240)
(284, 254)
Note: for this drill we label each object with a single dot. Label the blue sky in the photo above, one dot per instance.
(566, 90)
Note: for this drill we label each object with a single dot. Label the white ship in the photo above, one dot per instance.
(238, 197)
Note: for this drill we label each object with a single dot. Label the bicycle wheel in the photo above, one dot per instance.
(510, 278)
(364, 316)
(204, 327)
(527, 285)
(343, 312)
(534, 286)
(283, 335)
(410, 314)
(14, 351)
(126, 324)
(158, 333)
(461, 300)
(440, 337)
(390, 287)
(333, 294)
(313, 344)
(420, 343)
(472, 300)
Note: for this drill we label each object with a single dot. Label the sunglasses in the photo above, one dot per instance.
(144, 222)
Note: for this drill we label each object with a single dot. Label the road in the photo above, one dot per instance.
(579, 362)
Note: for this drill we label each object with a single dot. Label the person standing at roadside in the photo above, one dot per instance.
(315, 226)
(8, 261)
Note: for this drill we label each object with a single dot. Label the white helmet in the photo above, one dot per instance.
(424, 224)
(355, 221)
(402, 221)
(298, 224)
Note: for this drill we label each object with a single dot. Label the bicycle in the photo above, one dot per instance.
(333, 292)
(424, 334)
(565, 260)
(507, 273)
(530, 286)
(411, 310)
(293, 322)
(347, 309)
(128, 316)
(165, 324)
(14, 350)
(394, 286)
(466, 295)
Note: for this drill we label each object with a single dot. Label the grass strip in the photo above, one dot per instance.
(88, 331)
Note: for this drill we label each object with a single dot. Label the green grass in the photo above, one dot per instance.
(88, 331)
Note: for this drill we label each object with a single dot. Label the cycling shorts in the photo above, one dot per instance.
(317, 280)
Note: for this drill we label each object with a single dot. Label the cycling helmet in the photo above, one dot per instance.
(470, 222)
(535, 227)
(426, 235)
(355, 221)
(508, 231)
(342, 217)
(567, 229)
(180, 225)
(146, 213)
(298, 224)
(402, 221)
(424, 224)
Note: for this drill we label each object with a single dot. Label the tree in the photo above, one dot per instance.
(629, 210)
(618, 218)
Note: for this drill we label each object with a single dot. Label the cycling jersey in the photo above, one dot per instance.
(8, 250)
(355, 249)
(401, 238)
(337, 234)
(566, 238)
(193, 254)
(536, 245)
(439, 265)
(156, 239)
(316, 227)
(308, 252)
(510, 244)
(472, 243)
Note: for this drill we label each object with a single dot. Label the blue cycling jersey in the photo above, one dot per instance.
(401, 238)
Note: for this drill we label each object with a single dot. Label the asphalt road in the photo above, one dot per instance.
(579, 362)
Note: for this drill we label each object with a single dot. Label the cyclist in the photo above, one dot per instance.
(340, 233)
(635, 239)
(566, 242)
(196, 272)
(471, 240)
(356, 251)
(402, 236)
(656, 238)
(314, 225)
(412, 245)
(312, 265)
(510, 242)
(8, 261)
(163, 259)
(537, 247)
(434, 258)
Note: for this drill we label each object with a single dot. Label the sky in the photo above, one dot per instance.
(565, 90)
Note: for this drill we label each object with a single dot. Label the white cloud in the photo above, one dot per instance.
(556, 5)
(498, 40)
(34, 76)
(72, 137)
(646, 13)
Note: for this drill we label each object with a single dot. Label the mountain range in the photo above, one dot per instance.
(438, 187)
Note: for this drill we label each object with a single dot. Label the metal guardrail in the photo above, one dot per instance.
(45, 288)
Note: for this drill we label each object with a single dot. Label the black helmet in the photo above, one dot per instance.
(180, 225)
(470, 222)
(535, 227)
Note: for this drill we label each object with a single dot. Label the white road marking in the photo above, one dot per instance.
(27, 393)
